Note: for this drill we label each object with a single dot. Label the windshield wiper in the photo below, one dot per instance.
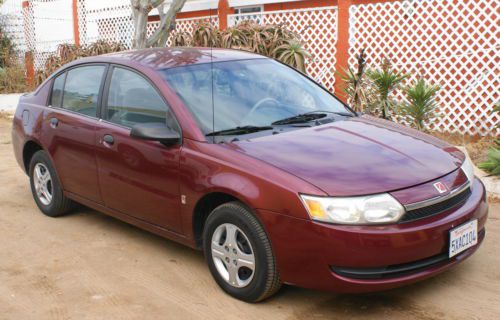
(239, 130)
(309, 116)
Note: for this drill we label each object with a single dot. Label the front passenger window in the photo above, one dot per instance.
(132, 100)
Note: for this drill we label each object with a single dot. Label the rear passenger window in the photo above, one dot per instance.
(57, 89)
(132, 100)
(82, 89)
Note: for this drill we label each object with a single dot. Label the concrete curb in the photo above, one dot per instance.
(8, 102)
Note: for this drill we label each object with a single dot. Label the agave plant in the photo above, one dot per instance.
(235, 38)
(181, 39)
(101, 47)
(292, 53)
(205, 35)
(385, 80)
(492, 165)
(69, 52)
(421, 105)
(357, 85)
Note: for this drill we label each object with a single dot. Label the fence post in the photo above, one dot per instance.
(342, 54)
(76, 31)
(30, 69)
(223, 10)
(29, 33)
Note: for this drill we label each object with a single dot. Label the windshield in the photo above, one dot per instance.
(254, 92)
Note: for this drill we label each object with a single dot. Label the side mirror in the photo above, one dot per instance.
(155, 132)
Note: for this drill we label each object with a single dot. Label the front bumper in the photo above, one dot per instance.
(308, 252)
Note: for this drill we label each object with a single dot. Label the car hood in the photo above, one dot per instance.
(358, 156)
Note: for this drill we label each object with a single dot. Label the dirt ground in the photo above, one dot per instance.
(90, 266)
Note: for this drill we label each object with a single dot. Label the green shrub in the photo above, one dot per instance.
(384, 81)
(492, 165)
(421, 105)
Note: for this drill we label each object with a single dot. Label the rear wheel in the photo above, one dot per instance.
(239, 254)
(45, 186)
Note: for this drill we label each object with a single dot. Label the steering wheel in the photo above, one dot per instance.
(256, 107)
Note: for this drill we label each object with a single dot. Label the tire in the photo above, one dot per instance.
(58, 204)
(251, 240)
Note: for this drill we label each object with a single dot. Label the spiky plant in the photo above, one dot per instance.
(234, 38)
(181, 39)
(101, 47)
(385, 80)
(421, 103)
(68, 52)
(357, 84)
(205, 35)
(492, 165)
(292, 53)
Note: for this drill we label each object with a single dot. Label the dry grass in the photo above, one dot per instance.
(5, 115)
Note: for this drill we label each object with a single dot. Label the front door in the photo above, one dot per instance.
(139, 178)
(69, 129)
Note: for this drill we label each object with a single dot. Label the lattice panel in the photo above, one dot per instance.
(448, 42)
(11, 19)
(318, 29)
(105, 22)
(185, 25)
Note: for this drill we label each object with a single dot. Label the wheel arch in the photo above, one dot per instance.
(207, 204)
(29, 149)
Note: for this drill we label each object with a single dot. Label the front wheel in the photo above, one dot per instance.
(239, 254)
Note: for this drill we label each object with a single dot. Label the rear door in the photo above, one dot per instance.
(139, 178)
(69, 128)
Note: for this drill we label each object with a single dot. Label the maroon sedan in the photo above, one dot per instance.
(274, 178)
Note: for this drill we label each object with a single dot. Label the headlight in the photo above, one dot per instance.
(468, 169)
(373, 209)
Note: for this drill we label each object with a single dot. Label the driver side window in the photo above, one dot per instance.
(132, 100)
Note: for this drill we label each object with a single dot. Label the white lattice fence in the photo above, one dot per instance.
(11, 19)
(448, 42)
(48, 23)
(100, 21)
(109, 21)
(318, 29)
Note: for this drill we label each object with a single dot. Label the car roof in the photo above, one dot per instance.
(164, 58)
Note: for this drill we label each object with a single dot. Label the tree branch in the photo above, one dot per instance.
(160, 36)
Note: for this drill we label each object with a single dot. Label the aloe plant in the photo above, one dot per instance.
(421, 105)
(357, 85)
(492, 165)
(234, 38)
(293, 54)
(68, 52)
(205, 35)
(181, 39)
(385, 80)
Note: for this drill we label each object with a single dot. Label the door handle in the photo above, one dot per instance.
(108, 139)
(54, 122)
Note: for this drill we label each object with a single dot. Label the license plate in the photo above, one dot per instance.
(462, 238)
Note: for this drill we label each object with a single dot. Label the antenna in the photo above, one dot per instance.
(212, 72)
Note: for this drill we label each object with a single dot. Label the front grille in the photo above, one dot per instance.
(437, 208)
(400, 270)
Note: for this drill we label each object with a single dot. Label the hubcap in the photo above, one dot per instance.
(233, 255)
(43, 183)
